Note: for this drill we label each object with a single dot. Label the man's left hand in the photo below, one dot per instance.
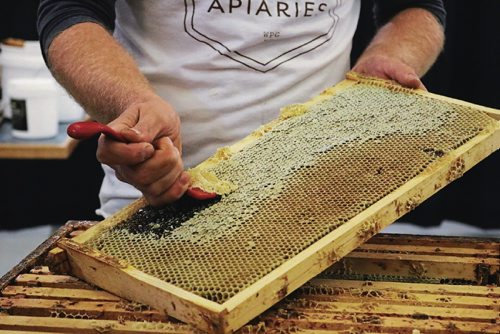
(390, 69)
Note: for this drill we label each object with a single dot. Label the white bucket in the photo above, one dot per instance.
(67, 108)
(34, 107)
(20, 62)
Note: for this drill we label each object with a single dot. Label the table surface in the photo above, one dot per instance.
(58, 147)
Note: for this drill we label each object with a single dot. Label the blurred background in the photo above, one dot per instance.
(38, 195)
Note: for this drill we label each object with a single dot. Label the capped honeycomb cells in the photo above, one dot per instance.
(296, 183)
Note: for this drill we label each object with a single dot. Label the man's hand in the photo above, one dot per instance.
(151, 160)
(389, 68)
(403, 49)
(103, 77)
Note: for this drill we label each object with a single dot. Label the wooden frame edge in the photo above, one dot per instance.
(357, 77)
(288, 277)
(110, 221)
(133, 284)
(34, 258)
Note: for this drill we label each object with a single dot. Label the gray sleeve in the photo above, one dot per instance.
(54, 16)
(384, 10)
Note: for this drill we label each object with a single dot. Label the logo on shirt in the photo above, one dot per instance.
(261, 34)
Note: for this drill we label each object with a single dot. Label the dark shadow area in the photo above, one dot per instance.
(40, 192)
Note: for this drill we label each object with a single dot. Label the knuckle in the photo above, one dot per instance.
(153, 201)
(132, 177)
(170, 157)
(101, 152)
(178, 192)
(156, 189)
(157, 201)
(100, 155)
(173, 194)
(139, 176)
(137, 156)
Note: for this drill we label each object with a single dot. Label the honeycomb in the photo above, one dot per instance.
(322, 164)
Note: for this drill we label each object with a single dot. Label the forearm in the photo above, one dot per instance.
(97, 71)
(414, 37)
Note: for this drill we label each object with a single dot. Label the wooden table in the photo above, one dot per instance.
(391, 284)
(59, 147)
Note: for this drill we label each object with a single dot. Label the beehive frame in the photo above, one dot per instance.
(121, 278)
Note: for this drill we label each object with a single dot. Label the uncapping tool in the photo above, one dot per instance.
(86, 130)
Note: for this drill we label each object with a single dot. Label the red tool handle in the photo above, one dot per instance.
(198, 193)
(86, 130)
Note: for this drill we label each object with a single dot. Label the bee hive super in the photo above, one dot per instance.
(301, 192)
(456, 292)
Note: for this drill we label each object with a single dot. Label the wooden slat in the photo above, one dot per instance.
(402, 298)
(463, 290)
(425, 267)
(58, 293)
(434, 241)
(82, 326)
(83, 309)
(56, 258)
(429, 250)
(355, 324)
(418, 257)
(26, 332)
(51, 281)
(329, 310)
(37, 256)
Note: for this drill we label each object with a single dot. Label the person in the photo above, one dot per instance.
(215, 69)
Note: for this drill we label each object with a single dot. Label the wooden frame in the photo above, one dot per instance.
(421, 259)
(37, 255)
(126, 281)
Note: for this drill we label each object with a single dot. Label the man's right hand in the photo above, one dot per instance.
(105, 80)
(151, 160)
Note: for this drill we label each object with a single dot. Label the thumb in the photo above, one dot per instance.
(130, 125)
(410, 80)
(404, 75)
(134, 135)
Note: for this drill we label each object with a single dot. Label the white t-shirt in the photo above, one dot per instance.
(228, 66)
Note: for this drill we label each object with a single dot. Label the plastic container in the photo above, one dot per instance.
(67, 108)
(34, 107)
(20, 62)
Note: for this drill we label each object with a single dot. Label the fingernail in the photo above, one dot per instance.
(412, 76)
(148, 151)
